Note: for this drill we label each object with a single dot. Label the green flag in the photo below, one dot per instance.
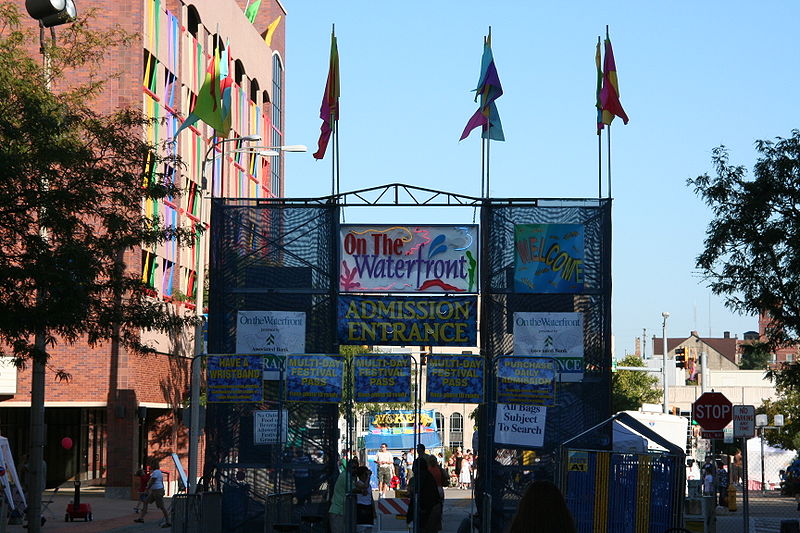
(252, 11)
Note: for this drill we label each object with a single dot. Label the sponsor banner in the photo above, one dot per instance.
(314, 378)
(234, 379)
(455, 378)
(408, 320)
(526, 380)
(382, 378)
(399, 428)
(265, 426)
(397, 258)
(556, 335)
(271, 332)
(520, 425)
(548, 258)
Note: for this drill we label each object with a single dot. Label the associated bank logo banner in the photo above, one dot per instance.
(455, 378)
(382, 378)
(275, 332)
(548, 258)
(314, 378)
(384, 258)
(408, 320)
(556, 335)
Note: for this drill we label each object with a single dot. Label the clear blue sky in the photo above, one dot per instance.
(693, 75)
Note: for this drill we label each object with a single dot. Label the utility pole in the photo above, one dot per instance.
(665, 316)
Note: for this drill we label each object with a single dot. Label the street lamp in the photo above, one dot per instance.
(665, 316)
(194, 407)
(762, 423)
(51, 12)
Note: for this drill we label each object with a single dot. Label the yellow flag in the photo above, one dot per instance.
(271, 29)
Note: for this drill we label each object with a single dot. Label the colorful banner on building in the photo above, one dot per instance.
(556, 335)
(396, 258)
(549, 258)
(314, 378)
(382, 378)
(520, 425)
(408, 320)
(234, 379)
(397, 430)
(526, 380)
(455, 378)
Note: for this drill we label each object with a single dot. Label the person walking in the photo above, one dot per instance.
(155, 494)
(465, 477)
(336, 511)
(385, 469)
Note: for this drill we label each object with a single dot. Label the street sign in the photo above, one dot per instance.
(712, 435)
(713, 411)
(744, 421)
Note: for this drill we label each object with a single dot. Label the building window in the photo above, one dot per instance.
(456, 431)
(439, 425)
(277, 132)
(150, 64)
(192, 20)
(365, 423)
(254, 90)
(789, 357)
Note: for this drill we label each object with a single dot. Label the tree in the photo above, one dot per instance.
(630, 388)
(755, 356)
(72, 185)
(751, 252)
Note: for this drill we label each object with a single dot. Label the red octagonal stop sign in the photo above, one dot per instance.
(713, 411)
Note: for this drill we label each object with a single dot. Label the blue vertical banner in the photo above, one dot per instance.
(526, 380)
(455, 378)
(382, 378)
(314, 378)
(234, 379)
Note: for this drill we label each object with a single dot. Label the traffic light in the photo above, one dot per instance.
(680, 357)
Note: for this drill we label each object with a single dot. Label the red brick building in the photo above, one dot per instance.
(120, 408)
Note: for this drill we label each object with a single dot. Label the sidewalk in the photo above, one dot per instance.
(110, 515)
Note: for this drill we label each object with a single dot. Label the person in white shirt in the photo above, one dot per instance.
(385, 462)
(155, 494)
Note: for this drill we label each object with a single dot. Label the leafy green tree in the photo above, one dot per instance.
(755, 356)
(751, 253)
(72, 186)
(630, 388)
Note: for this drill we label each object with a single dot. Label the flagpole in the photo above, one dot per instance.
(609, 160)
(332, 125)
(599, 164)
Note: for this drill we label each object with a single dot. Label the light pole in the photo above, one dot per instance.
(762, 423)
(49, 13)
(665, 316)
(194, 406)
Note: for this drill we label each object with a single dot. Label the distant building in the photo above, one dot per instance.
(789, 354)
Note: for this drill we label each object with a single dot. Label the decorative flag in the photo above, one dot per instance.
(489, 90)
(207, 104)
(252, 11)
(329, 110)
(609, 95)
(597, 104)
(225, 85)
(271, 30)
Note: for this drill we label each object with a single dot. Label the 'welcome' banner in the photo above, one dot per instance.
(408, 320)
(548, 258)
(398, 258)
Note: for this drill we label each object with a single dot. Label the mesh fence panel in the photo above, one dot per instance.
(277, 258)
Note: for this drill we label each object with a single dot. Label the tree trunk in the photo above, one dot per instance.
(36, 474)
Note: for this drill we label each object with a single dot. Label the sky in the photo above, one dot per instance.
(692, 76)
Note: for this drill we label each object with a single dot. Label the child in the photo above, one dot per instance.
(365, 509)
(144, 477)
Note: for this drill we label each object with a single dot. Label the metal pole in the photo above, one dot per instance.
(665, 316)
(763, 486)
(703, 371)
(745, 483)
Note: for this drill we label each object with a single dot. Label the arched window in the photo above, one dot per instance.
(238, 72)
(265, 97)
(439, 424)
(277, 123)
(254, 91)
(192, 20)
(456, 430)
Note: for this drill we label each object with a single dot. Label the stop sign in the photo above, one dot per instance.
(713, 411)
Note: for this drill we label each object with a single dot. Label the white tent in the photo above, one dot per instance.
(775, 460)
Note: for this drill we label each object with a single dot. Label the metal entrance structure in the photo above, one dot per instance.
(280, 254)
